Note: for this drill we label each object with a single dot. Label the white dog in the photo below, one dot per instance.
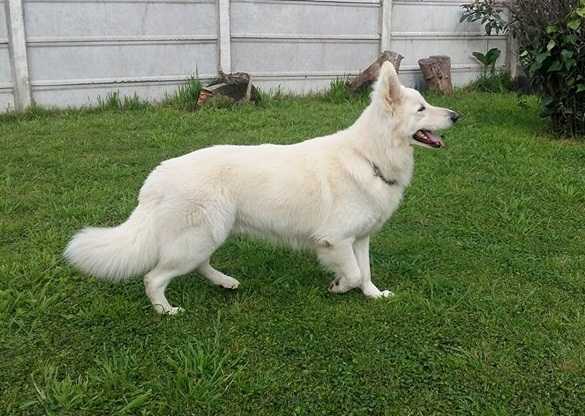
(328, 194)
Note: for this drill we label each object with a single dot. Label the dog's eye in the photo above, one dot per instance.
(422, 108)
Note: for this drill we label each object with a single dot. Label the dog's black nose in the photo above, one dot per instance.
(454, 116)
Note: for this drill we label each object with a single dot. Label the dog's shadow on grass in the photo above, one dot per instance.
(265, 268)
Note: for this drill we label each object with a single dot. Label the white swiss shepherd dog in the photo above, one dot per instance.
(327, 194)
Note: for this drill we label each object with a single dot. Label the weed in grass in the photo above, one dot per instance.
(497, 81)
(218, 102)
(338, 91)
(266, 98)
(59, 393)
(185, 97)
(203, 372)
(33, 112)
(115, 102)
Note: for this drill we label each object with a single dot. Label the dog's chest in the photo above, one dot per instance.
(377, 196)
(386, 203)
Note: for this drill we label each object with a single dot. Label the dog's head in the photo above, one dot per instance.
(414, 121)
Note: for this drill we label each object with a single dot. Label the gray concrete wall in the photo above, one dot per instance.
(6, 87)
(79, 50)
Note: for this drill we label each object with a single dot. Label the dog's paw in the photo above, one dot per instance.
(173, 310)
(338, 286)
(373, 292)
(386, 294)
(229, 283)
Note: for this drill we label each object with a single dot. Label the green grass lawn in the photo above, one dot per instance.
(486, 257)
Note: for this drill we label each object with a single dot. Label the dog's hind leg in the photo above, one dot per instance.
(340, 258)
(361, 249)
(216, 277)
(183, 254)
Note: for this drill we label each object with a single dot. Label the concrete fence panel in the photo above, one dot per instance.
(71, 52)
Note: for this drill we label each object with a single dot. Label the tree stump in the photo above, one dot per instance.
(370, 74)
(234, 88)
(437, 73)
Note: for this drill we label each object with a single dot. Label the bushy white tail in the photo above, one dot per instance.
(115, 253)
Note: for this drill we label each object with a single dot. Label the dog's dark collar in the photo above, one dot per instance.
(378, 173)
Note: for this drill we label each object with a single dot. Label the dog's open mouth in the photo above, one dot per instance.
(429, 138)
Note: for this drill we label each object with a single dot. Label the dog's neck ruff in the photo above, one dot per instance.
(379, 174)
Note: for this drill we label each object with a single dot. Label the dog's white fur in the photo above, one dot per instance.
(325, 194)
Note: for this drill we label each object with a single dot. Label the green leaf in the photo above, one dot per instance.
(136, 402)
(580, 11)
(551, 45)
(492, 55)
(556, 66)
(580, 88)
(541, 57)
(571, 39)
(574, 23)
(547, 100)
(567, 54)
(481, 58)
(552, 29)
(539, 63)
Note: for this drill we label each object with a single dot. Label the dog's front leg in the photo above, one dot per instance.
(340, 258)
(361, 248)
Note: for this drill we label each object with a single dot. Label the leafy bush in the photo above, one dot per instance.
(551, 36)
(490, 79)
(552, 40)
(488, 13)
(498, 81)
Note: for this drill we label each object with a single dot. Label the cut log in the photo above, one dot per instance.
(436, 71)
(235, 88)
(370, 74)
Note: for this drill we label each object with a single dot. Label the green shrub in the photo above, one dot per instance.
(552, 39)
(498, 81)
(551, 36)
(490, 79)
(488, 12)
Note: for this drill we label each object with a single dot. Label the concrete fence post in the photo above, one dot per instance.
(513, 59)
(385, 25)
(224, 41)
(18, 56)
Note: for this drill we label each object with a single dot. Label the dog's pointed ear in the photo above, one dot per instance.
(388, 85)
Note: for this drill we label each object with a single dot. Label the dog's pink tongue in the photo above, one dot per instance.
(436, 139)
